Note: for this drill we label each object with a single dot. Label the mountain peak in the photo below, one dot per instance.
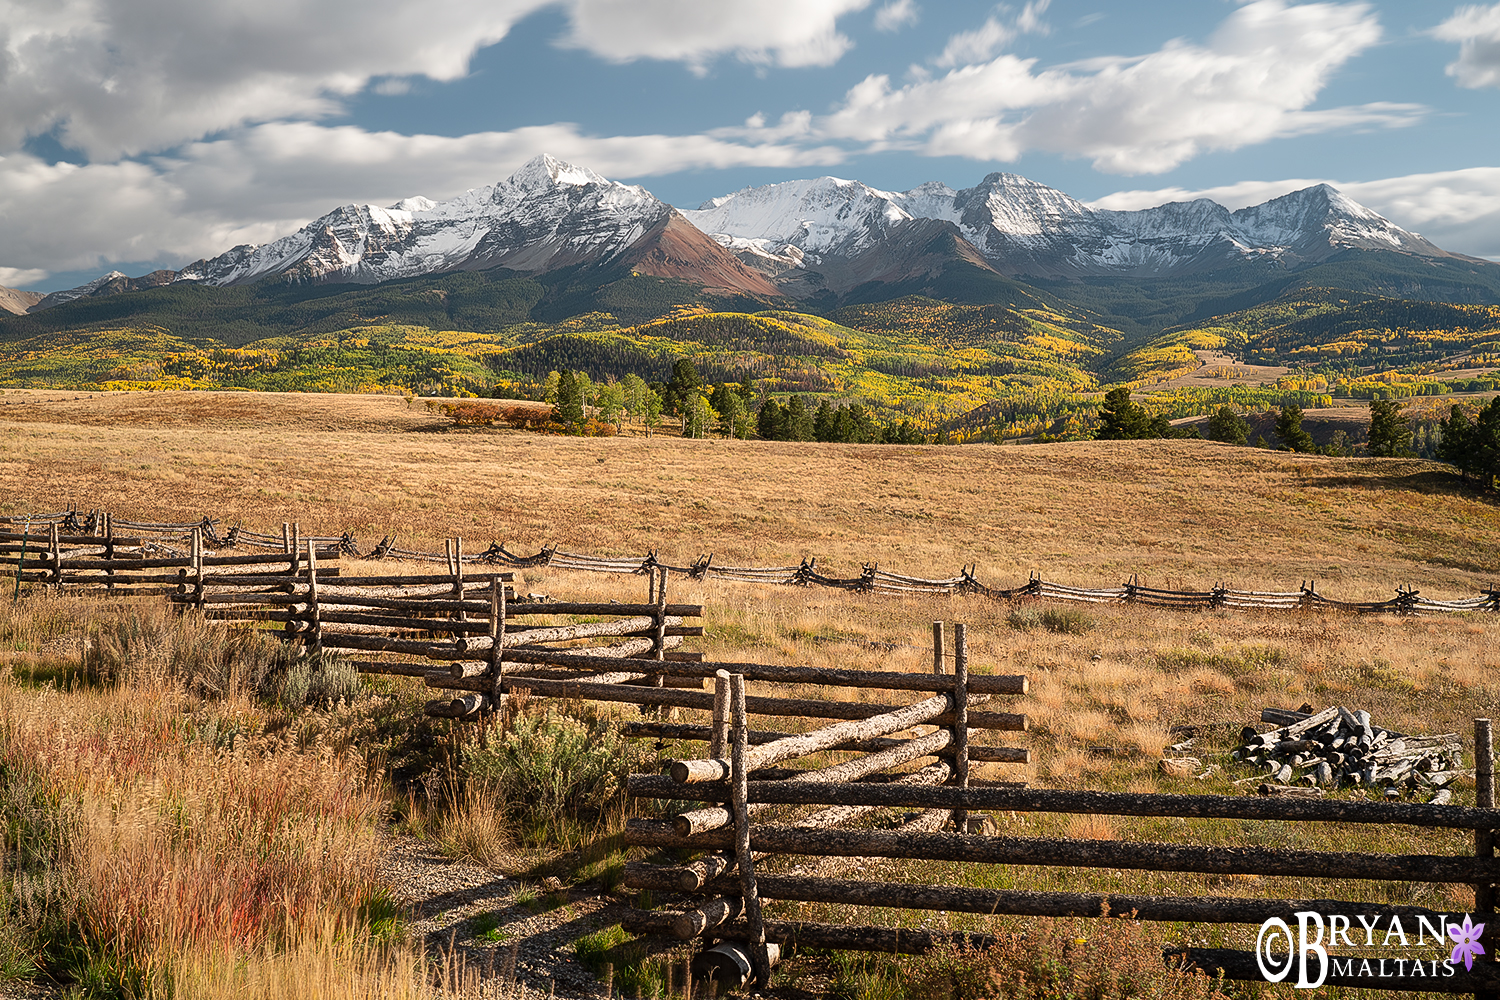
(547, 170)
(414, 205)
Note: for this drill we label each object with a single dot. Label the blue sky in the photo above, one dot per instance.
(137, 134)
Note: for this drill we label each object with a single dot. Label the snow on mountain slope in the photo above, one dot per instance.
(1026, 228)
(822, 216)
(545, 215)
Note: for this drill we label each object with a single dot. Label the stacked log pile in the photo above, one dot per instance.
(1337, 748)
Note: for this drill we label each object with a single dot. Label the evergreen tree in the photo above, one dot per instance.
(1228, 426)
(771, 422)
(1455, 434)
(905, 432)
(1390, 434)
(1122, 420)
(797, 422)
(1289, 430)
(824, 423)
(683, 387)
(569, 408)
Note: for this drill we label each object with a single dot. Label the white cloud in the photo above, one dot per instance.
(1030, 18)
(768, 32)
(266, 181)
(984, 41)
(975, 46)
(117, 78)
(1459, 210)
(1477, 30)
(13, 277)
(1252, 81)
(895, 15)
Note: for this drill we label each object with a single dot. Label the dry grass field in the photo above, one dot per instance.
(1177, 512)
(1082, 513)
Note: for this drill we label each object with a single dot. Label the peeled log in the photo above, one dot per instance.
(791, 747)
(700, 820)
(685, 731)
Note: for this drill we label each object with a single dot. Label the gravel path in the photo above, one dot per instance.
(446, 895)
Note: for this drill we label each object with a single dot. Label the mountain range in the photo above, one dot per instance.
(822, 243)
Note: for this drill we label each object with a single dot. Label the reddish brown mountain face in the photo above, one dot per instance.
(675, 248)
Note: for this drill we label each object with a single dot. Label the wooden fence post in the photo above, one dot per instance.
(497, 641)
(312, 598)
(196, 543)
(659, 640)
(937, 647)
(961, 719)
(718, 736)
(659, 649)
(56, 549)
(286, 537)
(760, 961)
(109, 550)
(1484, 840)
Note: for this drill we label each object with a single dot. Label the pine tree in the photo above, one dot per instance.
(1289, 430)
(824, 427)
(1122, 420)
(1390, 434)
(726, 402)
(684, 385)
(771, 422)
(1228, 426)
(569, 408)
(798, 421)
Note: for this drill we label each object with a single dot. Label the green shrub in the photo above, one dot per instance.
(552, 776)
(1063, 621)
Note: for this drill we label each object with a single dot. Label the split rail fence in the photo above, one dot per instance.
(164, 539)
(463, 632)
(723, 888)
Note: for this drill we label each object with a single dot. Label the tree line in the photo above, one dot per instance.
(744, 410)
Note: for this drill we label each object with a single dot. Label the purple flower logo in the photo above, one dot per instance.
(1467, 937)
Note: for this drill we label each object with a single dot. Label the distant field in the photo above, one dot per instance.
(1085, 512)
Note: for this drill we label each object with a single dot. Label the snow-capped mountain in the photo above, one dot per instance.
(1025, 228)
(800, 238)
(547, 215)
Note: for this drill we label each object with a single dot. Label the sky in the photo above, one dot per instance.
(139, 134)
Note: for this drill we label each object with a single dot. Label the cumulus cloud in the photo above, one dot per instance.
(117, 78)
(774, 32)
(1476, 29)
(976, 45)
(896, 15)
(1252, 81)
(1459, 210)
(267, 181)
(981, 43)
